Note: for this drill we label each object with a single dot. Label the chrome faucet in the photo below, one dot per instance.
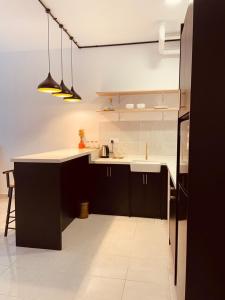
(146, 151)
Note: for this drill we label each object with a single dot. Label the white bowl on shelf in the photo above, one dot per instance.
(141, 105)
(130, 106)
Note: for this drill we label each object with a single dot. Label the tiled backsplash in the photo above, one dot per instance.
(161, 136)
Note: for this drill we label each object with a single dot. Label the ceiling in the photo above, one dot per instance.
(23, 22)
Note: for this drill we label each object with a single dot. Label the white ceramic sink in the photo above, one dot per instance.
(145, 166)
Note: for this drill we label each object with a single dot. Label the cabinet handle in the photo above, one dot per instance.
(143, 178)
(146, 180)
(107, 172)
(110, 172)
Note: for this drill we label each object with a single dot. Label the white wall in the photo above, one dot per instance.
(32, 122)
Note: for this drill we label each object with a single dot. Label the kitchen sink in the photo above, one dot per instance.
(145, 166)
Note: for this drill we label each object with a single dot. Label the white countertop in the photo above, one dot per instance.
(63, 155)
(169, 161)
(57, 156)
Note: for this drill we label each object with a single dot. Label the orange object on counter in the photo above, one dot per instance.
(81, 145)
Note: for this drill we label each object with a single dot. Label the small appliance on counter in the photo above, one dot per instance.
(104, 151)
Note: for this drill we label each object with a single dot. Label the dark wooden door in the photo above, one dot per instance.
(205, 266)
(182, 215)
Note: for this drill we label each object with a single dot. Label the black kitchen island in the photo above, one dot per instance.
(49, 189)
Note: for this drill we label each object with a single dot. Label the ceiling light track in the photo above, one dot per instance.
(126, 44)
(101, 45)
(48, 10)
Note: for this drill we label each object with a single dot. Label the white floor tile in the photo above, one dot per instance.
(7, 255)
(19, 283)
(3, 269)
(144, 291)
(148, 271)
(5, 297)
(98, 288)
(110, 266)
(120, 247)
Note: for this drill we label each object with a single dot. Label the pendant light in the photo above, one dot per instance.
(65, 92)
(75, 97)
(49, 85)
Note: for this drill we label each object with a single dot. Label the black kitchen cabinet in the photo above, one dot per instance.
(110, 189)
(148, 194)
(173, 225)
(164, 192)
(99, 200)
(140, 204)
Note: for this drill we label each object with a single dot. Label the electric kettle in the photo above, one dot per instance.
(104, 151)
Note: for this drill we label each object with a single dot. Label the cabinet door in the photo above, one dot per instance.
(139, 202)
(164, 193)
(153, 194)
(110, 190)
(100, 188)
(118, 193)
(173, 225)
(146, 195)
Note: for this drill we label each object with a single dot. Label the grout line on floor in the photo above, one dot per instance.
(125, 281)
(124, 284)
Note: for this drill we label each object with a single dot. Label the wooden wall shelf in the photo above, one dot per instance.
(133, 110)
(133, 93)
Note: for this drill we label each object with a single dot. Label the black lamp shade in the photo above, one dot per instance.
(75, 97)
(49, 85)
(65, 92)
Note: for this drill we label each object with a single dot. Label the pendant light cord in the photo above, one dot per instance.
(49, 65)
(61, 53)
(72, 61)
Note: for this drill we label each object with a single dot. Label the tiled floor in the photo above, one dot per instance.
(104, 258)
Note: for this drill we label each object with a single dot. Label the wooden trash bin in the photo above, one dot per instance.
(84, 210)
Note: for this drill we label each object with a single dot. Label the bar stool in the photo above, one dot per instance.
(9, 218)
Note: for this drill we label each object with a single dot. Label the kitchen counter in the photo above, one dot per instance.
(50, 187)
(58, 156)
(169, 161)
(63, 155)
